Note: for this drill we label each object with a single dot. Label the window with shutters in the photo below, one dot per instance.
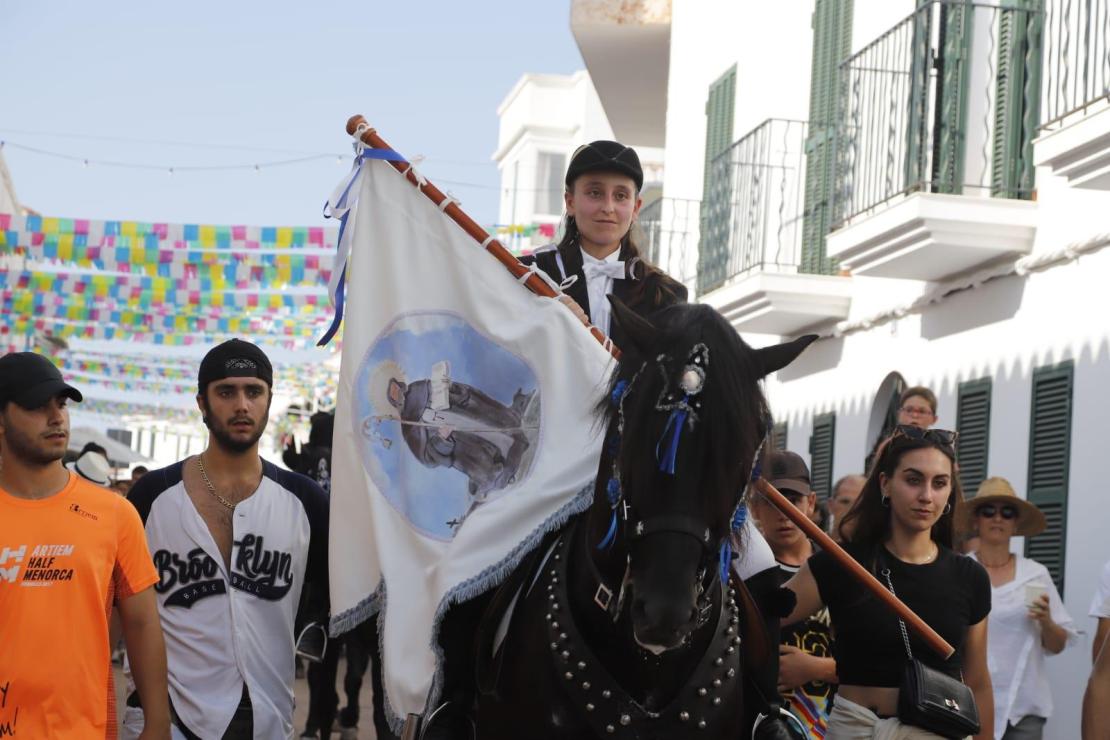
(973, 422)
(1049, 460)
(550, 168)
(715, 199)
(778, 436)
(821, 444)
(832, 42)
(1017, 99)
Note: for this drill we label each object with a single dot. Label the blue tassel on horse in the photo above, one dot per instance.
(674, 426)
(613, 494)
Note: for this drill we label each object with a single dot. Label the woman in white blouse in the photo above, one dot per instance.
(1027, 618)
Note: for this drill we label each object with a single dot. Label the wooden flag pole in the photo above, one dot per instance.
(370, 138)
(915, 623)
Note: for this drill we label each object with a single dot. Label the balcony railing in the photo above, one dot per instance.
(1076, 58)
(753, 214)
(670, 236)
(947, 101)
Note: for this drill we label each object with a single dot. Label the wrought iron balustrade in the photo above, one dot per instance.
(754, 205)
(1076, 59)
(947, 101)
(669, 236)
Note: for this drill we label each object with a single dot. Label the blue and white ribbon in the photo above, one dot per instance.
(340, 205)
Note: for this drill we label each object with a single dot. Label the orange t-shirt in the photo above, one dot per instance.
(64, 561)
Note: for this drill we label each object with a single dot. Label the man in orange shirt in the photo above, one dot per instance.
(69, 551)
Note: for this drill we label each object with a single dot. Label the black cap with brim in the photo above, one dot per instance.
(605, 156)
(792, 485)
(40, 394)
(234, 358)
(31, 380)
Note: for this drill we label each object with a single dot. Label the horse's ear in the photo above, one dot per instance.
(639, 330)
(778, 356)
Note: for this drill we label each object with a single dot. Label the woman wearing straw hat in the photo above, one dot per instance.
(1027, 618)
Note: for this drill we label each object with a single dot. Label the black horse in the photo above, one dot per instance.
(622, 626)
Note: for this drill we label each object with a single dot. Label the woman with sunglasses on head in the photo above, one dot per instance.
(597, 255)
(902, 528)
(1027, 620)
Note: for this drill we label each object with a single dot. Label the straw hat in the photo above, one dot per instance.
(1030, 519)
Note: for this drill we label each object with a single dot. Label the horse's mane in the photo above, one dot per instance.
(731, 418)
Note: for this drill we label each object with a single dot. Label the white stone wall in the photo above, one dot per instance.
(543, 113)
(551, 114)
(1004, 328)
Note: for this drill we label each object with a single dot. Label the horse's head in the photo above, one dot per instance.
(687, 404)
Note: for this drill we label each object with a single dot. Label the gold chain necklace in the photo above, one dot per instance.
(212, 489)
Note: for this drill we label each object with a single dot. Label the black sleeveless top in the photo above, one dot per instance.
(951, 593)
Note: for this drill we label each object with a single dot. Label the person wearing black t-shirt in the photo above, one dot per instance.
(807, 672)
(903, 522)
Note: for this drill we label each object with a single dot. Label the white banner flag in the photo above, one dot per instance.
(464, 427)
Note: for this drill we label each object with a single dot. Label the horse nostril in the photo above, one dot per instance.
(639, 608)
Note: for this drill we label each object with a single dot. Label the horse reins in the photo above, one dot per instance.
(683, 406)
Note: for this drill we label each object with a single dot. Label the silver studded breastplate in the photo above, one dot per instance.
(713, 690)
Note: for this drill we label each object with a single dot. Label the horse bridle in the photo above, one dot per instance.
(683, 408)
(642, 529)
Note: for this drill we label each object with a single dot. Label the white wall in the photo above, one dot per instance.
(542, 113)
(770, 44)
(872, 18)
(550, 114)
(1004, 329)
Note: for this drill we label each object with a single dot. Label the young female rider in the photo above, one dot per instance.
(901, 524)
(602, 197)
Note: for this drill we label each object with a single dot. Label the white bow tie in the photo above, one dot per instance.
(613, 270)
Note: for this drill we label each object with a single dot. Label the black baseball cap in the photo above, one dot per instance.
(234, 358)
(31, 380)
(787, 471)
(605, 156)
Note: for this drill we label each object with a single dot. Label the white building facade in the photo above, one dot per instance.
(923, 185)
(542, 120)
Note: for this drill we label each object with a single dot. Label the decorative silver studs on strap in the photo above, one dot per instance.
(711, 693)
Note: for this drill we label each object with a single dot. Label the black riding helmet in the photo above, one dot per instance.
(605, 156)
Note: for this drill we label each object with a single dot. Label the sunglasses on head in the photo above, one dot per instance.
(942, 437)
(987, 511)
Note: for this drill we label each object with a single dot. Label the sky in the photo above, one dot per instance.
(242, 83)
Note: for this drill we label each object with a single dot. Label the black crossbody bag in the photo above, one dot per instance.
(931, 699)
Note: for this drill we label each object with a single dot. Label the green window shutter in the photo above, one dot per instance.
(955, 56)
(821, 445)
(832, 42)
(1017, 100)
(1049, 460)
(973, 422)
(778, 436)
(712, 249)
(921, 67)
